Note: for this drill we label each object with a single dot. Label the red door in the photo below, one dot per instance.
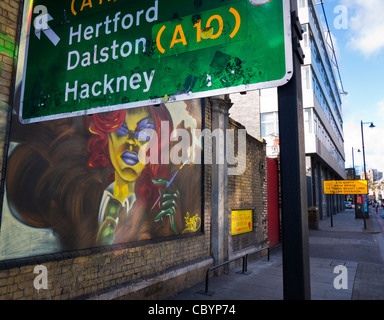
(273, 201)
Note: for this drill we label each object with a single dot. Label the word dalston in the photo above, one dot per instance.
(81, 57)
(346, 187)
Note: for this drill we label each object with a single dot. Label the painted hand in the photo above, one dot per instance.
(168, 201)
(107, 230)
(106, 233)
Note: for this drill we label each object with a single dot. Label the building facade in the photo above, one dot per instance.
(322, 107)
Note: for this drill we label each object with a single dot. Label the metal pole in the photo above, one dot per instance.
(295, 243)
(354, 178)
(206, 281)
(353, 165)
(245, 264)
(365, 174)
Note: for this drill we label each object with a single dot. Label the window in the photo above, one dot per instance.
(306, 78)
(308, 121)
(269, 124)
(302, 3)
(305, 35)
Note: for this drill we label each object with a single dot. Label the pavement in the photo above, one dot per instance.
(340, 241)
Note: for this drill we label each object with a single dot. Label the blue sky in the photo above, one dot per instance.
(357, 27)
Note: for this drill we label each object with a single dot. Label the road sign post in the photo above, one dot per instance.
(358, 187)
(295, 241)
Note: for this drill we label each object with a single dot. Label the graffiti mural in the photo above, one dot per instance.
(8, 47)
(101, 179)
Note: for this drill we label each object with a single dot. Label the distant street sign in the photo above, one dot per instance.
(346, 187)
(86, 56)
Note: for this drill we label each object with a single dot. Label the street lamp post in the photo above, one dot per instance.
(353, 163)
(365, 170)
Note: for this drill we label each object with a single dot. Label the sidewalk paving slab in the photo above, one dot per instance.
(341, 241)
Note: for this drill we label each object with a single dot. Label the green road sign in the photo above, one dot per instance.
(87, 56)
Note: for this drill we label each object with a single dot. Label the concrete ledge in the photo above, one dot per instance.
(158, 286)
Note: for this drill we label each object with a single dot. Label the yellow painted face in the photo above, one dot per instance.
(126, 143)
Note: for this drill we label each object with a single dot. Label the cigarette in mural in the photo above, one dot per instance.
(258, 2)
(170, 181)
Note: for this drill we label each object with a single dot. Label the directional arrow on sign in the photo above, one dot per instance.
(41, 24)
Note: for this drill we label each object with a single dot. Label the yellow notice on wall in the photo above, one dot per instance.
(242, 221)
(346, 187)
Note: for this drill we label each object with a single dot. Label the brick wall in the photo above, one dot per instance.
(110, 273)
(248, 191)
(145, 270)
(246, 110)
(9, 26)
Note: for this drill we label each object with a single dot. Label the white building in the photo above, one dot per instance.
(323, 121)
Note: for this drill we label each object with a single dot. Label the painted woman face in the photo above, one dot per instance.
(124, 144)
